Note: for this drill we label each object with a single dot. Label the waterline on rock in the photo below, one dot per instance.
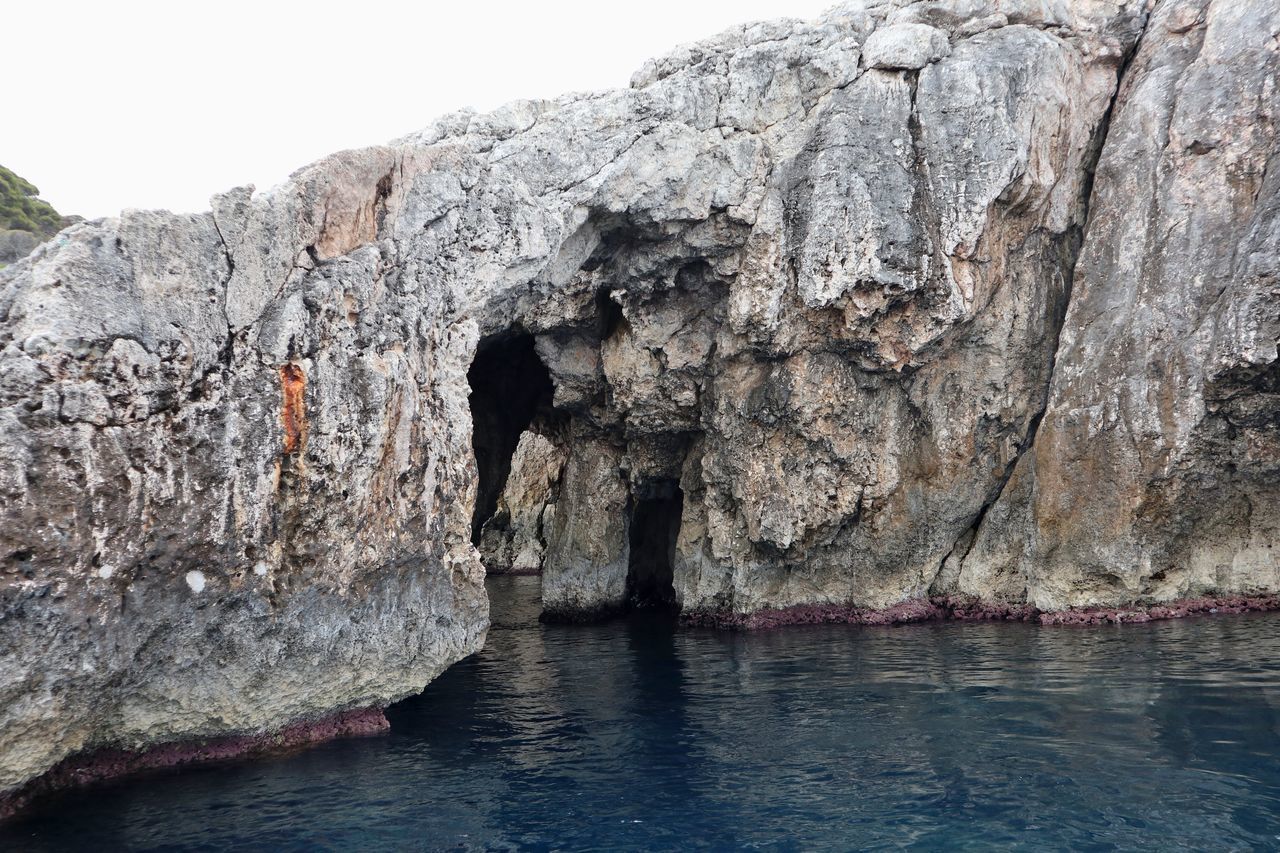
(631, 735)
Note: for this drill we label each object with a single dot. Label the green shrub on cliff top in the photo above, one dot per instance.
(21, 210)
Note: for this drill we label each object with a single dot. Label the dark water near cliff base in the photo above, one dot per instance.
(630, 736)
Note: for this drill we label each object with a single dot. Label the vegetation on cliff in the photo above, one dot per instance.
(21, 209)
(26, 220)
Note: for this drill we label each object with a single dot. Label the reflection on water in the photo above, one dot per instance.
(631, 736)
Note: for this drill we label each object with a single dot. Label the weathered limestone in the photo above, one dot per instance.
(585, 572)
(226, 498)
(842, 367)
(1155, 474)
(909, 47)
(820, 286)
(514, 539)
(15, 245)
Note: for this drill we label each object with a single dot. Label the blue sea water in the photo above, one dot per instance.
(633, 736)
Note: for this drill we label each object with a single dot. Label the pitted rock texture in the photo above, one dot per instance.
(1155, 474)
(821, 286)
(226, 506)
(514, 539)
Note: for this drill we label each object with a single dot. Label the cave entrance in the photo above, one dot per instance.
(655, 526)
(510, 386)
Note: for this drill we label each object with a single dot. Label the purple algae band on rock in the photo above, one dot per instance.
(102, 764)
(940, 608)
(857, 309)
(1169, 610)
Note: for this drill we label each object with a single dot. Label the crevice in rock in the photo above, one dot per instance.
(226, 352)
(652, 535)
(609, 315)
(509, 386)
(925, 210)
(1071, 245)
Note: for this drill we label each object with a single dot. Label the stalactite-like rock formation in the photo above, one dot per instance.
(974, 299)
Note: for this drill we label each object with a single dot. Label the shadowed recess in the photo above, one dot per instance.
(509, 385)
(655, 526)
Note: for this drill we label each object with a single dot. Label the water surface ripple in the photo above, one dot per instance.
(628, 735)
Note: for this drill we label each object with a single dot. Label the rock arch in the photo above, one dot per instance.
(816, 281)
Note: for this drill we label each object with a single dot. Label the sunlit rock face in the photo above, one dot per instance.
(1156, 471)
(227, 504)
(514, 539)
(810, 308)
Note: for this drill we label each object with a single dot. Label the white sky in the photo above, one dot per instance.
(122, 104)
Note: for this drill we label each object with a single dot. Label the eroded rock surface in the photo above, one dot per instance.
(818, 288)
(514, 538)
(1156, 472)
(227, 495)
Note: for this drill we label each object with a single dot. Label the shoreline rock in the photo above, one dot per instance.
(100, 765)
(512, 572)
(974, 300)
(110, 763)
(959, 609)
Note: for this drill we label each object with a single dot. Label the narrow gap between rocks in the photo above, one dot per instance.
(655, 526)
(509, 386)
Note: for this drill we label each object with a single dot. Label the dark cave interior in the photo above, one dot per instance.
(510, 386)
(655, 526)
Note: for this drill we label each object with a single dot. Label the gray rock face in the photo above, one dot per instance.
(818, 326)
(1156, 471)
(16, 244)
(225, 500)
(514, 539)
(905, 46)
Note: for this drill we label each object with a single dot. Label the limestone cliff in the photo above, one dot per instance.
(813, 314)
(1156, 471)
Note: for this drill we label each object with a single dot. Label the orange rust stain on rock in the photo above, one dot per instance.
(293, 415)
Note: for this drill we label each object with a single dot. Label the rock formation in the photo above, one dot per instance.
(1156, 470)
(514, 538)
(813, 315)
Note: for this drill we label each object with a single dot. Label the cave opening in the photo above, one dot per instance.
(654, 529)
(510, 388)
(608, 314)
